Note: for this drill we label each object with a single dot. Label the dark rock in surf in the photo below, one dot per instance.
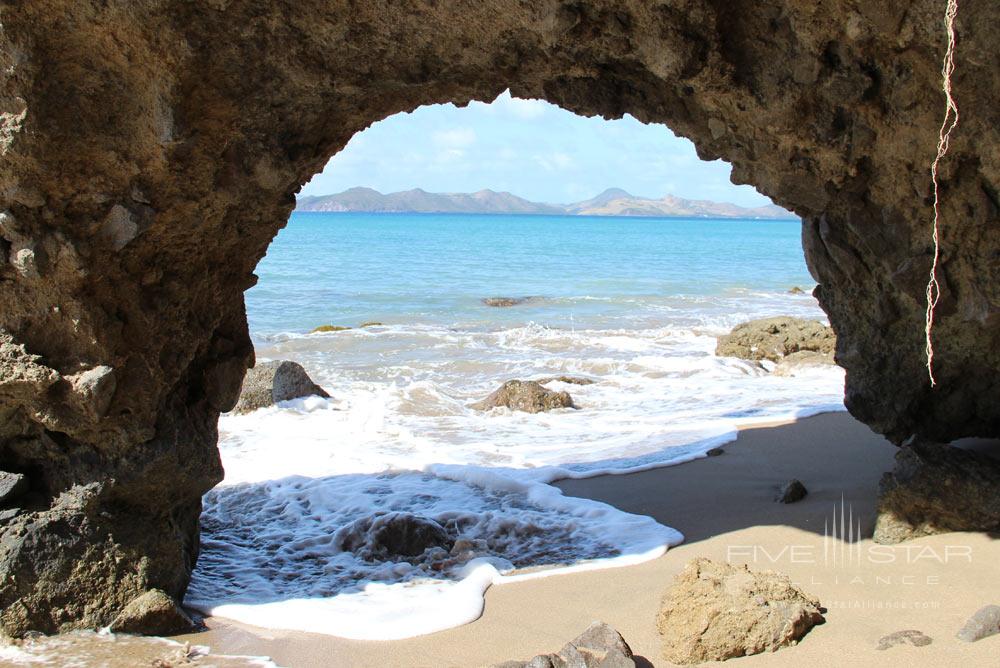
(937, 488)
(270, 382)
(525, 395)
(600, 646)
(775, 338)
(392, 536)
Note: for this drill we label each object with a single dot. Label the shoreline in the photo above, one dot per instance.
(724, 507)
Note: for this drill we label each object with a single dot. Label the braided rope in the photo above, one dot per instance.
(944, 139)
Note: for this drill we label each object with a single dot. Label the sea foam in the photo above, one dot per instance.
(398, 436)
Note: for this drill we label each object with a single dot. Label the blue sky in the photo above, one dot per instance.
(530, 148)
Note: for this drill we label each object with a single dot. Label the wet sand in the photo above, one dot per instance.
(725, 507)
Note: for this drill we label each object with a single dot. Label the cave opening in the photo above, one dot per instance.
(151, 155)
(501, 243)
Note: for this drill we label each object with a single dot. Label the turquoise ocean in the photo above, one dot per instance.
(293, 536)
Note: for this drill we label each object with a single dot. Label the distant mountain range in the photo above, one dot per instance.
(611, 202)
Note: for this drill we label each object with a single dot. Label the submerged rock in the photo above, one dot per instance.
(525, 395)
(908, 637)
(393, 535)
(505, 302)
(329, 328)
(600, 646)
(153, 614)
(715, 611)
(796, 290)
(270, 382)
(937, 488)
(791, 491)
(802, 361)
(984, 623)
(569, 380)
(373, 323)
(775, 338)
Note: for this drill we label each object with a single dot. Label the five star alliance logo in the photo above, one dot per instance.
(842, 538)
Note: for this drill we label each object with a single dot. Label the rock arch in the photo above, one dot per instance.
(151, 149)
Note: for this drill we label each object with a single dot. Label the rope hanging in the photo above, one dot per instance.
(944, 139)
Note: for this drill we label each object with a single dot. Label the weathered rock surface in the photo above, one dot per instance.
(525, 395)
(802, 362)
(149, 152)
(12, 486)
(775, 338)
(152, 614)
(910, 637)
(600, 646)
(791, 491)
(715, 611)
(270, 382)
(984, 623)
(937, 488)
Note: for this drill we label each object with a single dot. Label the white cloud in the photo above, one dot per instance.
(450, 156)
(456, 137)
(554, 161)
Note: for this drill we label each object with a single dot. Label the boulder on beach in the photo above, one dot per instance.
(525, 395)
(329, 328)
(984, 623)
(910, 637)
(600, 646)
(775, 338)
(801, 362)
(153, 614)
(716, 611)
(936, 488)
(270, 382)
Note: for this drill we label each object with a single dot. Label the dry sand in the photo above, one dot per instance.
(724, 506)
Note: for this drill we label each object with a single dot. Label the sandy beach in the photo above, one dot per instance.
(725, 507)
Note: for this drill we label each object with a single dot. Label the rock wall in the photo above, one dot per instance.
(151, 149)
